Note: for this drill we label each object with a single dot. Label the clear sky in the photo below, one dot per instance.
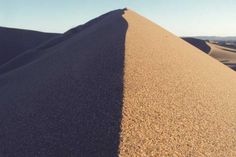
(182, 17)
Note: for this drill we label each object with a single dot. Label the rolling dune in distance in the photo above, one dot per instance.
(119, 85)
(13, 41)
(222, 53)
(200, 44)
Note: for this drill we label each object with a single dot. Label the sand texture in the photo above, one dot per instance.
(177, 100)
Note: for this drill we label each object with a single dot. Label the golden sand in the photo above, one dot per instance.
(178, 101)
(223, 54)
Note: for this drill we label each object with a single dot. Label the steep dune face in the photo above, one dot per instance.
(15, 41)
(178, 101)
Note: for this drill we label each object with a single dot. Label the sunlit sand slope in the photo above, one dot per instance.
(177, 100)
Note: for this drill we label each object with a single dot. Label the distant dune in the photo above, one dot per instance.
(119, 85)
(224, 54)
(200, 44)
(15, 41)
(216, 38)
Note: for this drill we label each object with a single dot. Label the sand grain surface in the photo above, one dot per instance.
(177, 100)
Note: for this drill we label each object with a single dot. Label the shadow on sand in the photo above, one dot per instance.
(68, 103)
(200, 44)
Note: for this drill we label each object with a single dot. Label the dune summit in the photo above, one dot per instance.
(119, 85)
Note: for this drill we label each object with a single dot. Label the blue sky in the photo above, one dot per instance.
(182, 17)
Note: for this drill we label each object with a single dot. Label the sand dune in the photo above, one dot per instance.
(200, 44)
(224, 55)
(15, 41)
(119, 85)
(65, 98)
(177, 100)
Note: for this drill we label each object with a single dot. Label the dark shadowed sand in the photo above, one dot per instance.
(65, 99)
(13, 42)
(200, 44)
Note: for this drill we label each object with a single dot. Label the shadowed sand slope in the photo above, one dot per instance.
(200, 44)
(67, 102)
(50, 46)
(178, 101)
(15, 41)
